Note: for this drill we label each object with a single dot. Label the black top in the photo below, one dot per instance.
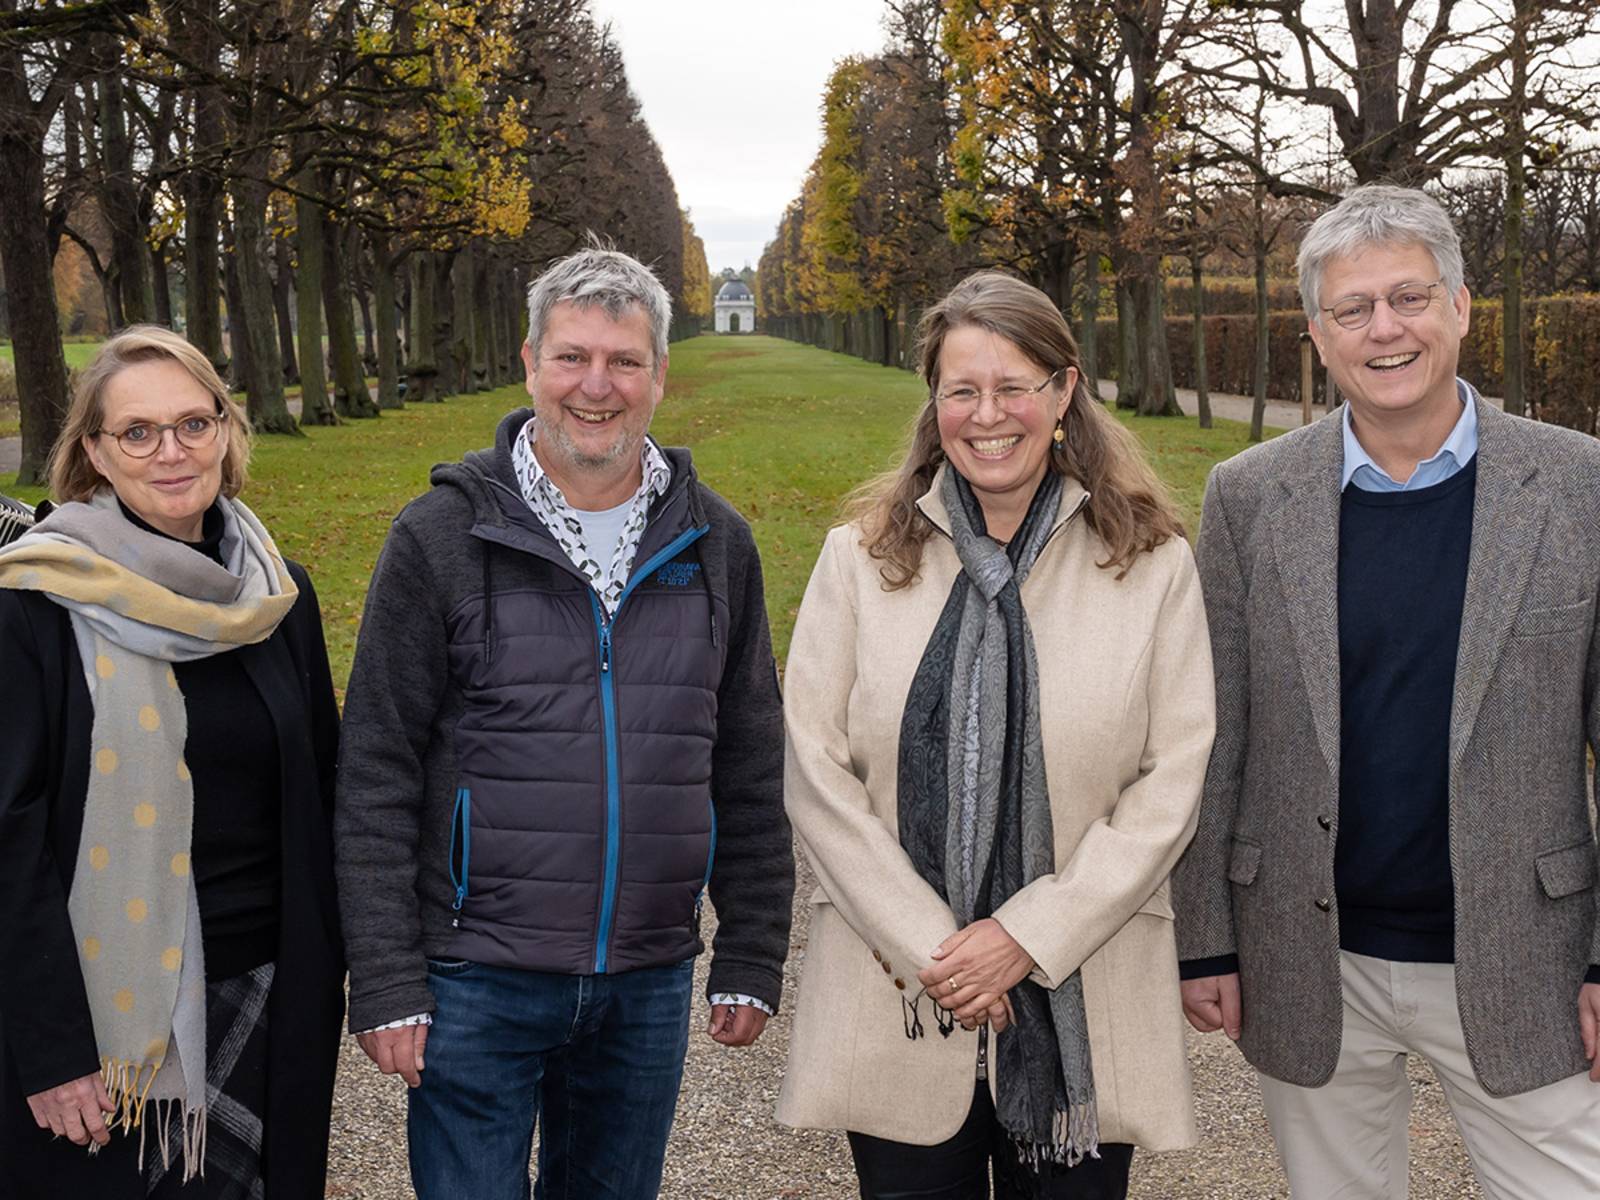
(232, 753)
(1402, 583)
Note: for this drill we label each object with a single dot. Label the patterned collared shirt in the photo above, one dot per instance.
(607, 572)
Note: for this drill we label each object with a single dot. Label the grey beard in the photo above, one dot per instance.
(582, 460)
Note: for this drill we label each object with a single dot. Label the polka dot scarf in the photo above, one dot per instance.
(140, 602)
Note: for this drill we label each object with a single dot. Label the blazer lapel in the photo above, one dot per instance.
(1508, 517)
(1305, 527)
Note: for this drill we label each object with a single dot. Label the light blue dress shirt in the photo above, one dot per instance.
(1457, 452)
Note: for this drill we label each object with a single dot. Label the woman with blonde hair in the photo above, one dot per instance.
(170, 967)
(999, 707)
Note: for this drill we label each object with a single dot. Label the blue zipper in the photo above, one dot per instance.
(608, 713)
(461, 819)
(711, 854)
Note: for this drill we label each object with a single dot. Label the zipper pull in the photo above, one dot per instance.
(605, 648)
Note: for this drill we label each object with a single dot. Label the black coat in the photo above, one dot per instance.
(46, 1033)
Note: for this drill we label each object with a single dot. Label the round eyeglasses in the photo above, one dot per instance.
(1407, 300)
(1008, 396)
(143, 438)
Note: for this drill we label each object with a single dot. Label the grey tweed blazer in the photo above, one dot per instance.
(1258, 878)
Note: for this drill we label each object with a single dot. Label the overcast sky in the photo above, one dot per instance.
(731, 93)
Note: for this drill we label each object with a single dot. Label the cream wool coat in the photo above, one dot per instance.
(1126, 704)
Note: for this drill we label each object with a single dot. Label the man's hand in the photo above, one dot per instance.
(73, 1110)
(736, 1024)
(397, 1051)
(1212, 1002)
(973, 969)
(1589, 1026)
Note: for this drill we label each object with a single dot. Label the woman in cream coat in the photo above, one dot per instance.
(991, 972)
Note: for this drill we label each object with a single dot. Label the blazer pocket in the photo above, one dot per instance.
(1536, 622)
(1568, 870)
(1244, 862)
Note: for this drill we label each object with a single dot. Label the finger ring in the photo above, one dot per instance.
(954, 986)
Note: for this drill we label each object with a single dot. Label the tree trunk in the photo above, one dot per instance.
(1512, 385)
(461, 318)
(350, 395)
(25, 262)
(283, 278)
(202, 269)
(202, 189)
(110, 295)
(1088, 314)
(253, 323)
(360, 288)
(161, 284)
(1156, 397)
(130, 260)
(316, 406)
(443, 324)
(482, 322)
(1201, 391)
(388, 332)
(422, 368)
(1258, 404)
(237, 348)
(514, 313)
(1130, 368)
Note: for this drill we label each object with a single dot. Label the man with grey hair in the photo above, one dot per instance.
(562, 731)
(1394, 853)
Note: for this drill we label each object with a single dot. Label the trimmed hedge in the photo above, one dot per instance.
(1230, 354)
(1562, 338)
(1229, 299)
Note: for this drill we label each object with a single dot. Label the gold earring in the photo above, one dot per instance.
(1060, 435)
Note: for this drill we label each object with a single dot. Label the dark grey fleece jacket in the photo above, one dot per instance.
(523, 783)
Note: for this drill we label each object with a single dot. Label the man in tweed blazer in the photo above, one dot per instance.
(1395, 852)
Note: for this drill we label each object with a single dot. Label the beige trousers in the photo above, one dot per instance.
(1346, 1140)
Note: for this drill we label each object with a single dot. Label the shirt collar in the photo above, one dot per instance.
(1461, 445)
(530, 471)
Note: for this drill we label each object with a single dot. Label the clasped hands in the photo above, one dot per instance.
(973, 971)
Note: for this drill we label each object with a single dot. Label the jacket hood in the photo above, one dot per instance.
(485, 476)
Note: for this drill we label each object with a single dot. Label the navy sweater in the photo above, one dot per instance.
(1402, 583)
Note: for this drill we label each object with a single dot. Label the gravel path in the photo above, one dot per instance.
(726, 1145)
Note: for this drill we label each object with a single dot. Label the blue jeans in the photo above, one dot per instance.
(595, 1059)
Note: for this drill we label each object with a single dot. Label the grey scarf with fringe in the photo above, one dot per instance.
(974, 809)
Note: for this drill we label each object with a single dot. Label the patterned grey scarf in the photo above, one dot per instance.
(974, 809)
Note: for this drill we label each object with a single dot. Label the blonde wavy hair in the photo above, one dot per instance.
(1129, 508)
(72, 474)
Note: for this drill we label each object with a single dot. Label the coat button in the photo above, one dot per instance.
(1324, 820)
(887, 970)
(876, 957)
(901, 984)
(1324, 903)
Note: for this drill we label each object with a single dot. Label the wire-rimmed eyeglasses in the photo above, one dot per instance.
(1407, 300)
(1008, 396)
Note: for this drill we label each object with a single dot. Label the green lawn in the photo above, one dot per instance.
(77, 353)
(782, 430)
